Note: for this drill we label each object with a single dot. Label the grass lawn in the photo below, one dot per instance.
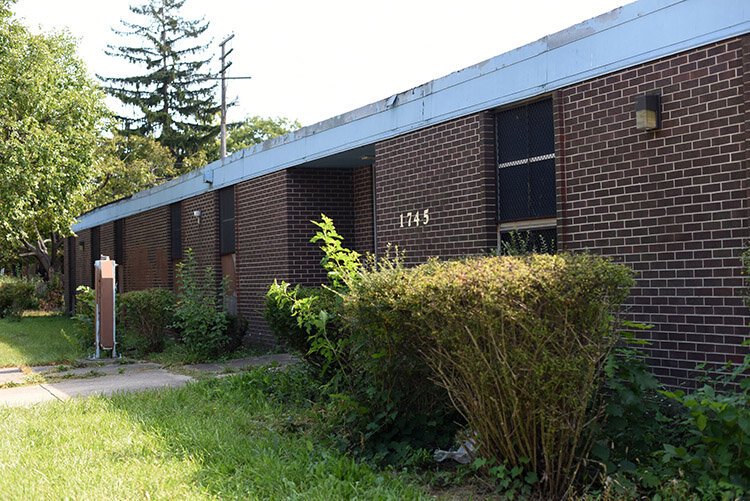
(38, 339)
(241, 437)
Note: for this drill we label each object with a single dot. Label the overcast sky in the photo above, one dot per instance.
(312, 60)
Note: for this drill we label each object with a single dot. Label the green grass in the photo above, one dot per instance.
(241, 437)
(38, 340)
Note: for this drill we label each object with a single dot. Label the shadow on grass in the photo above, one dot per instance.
(238, 435)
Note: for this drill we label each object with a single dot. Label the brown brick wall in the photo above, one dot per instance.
(200, 234)
(262, 248)
(84, 260)
(107, 240)
(312, 192)
(146, 249)
(672, 204)
(448, 169)
(362, 202)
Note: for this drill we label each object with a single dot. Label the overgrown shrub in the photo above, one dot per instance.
(198, 316)
(16, 295)
(146, 316)
(519, 344)
(716, 418)
(84, 316)
(281, 320)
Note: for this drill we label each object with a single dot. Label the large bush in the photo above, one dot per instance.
(16, 295)
(519, 344)
(146, 316)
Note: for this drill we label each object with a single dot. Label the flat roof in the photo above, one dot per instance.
(627, 36)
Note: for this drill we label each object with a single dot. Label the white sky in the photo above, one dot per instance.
(313, 59)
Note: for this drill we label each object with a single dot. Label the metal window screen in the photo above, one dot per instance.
(226, 220)
(526, 162)
(175, 230)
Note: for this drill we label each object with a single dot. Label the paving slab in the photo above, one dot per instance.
(239, 364)
(104, 385)
(11, 375)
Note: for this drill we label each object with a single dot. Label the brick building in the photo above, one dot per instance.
(544, 138)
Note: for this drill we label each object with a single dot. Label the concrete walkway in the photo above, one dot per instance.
(106, 378)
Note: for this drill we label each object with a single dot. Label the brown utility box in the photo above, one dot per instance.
(105, 303)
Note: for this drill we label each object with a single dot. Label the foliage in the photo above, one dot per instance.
(172, 93)
(198, 317)
(85, 316)
(50, 115)
(519, 344)
(717, 421)
(256, 129)
(279, 314)
(635, 414)
(523, 243)
(39, 339)
(127, 164)
(16, 295)
(145, 316)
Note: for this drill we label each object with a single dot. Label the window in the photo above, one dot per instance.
(526, 173)
(226, 220)
(175, 230)
(526, 162)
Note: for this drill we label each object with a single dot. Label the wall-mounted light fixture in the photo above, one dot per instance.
(82, 244)
(197, 214)
(648, 112)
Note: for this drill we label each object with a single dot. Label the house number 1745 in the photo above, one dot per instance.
(415, 218)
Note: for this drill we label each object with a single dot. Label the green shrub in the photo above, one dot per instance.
(198, 316)
(283, 324)
(716, 417)
(145, 317)
(16, 295)
(84, 316)
(519, 344)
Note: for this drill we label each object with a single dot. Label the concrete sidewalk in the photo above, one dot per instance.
(97, 378)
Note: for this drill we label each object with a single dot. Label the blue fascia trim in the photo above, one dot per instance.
(630, 35)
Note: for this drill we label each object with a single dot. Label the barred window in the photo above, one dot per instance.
(526, 162)
(226, 220)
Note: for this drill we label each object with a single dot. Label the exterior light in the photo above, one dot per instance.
(82, 244)
(648, 112)
(197, 213)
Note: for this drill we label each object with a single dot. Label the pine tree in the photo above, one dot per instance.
(174, 96)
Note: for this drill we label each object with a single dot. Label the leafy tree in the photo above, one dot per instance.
(172, 95)
(255, 129)
(127, 164)
(50, 113)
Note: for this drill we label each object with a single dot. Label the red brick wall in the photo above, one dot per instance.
(146, 247)
(672, 204)
(261, 234)
(448, 169)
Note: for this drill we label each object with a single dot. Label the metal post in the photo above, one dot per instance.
(224, 67)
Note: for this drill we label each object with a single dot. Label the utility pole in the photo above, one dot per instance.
(224, 78)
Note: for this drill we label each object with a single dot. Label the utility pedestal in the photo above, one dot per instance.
(105, 306)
